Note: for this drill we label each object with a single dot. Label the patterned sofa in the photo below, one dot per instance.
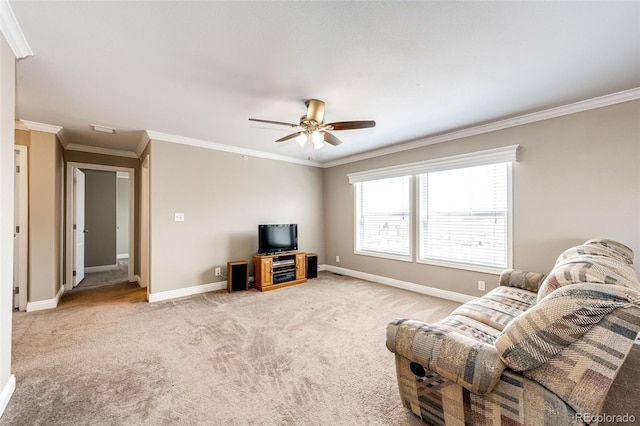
(534, 351)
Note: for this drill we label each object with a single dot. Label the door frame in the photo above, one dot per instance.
(70, 202)
(22, 199)
(145, 225)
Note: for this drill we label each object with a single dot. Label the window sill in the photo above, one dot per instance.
(464, 266)
(384, 255)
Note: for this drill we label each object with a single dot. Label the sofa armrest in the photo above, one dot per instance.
(473, 365)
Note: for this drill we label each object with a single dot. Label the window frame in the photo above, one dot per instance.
(462, 265)
(503, 154)
(411, 223)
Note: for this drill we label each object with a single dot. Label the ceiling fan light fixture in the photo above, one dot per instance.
(302, 139)
(318, 139)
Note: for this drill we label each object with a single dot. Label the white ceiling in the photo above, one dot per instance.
(199, 70)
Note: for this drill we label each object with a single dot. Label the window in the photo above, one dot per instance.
(464, 217)
(462, 204)
(383, 217)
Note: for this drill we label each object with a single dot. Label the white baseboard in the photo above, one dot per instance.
(46, 304)
(6, 393)
(188, 291)
(123, 256)
(100, 268)
(405, 285)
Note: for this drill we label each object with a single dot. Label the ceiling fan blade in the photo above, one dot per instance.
(350, 125)
(291, 136)
(315, 110)
(329, 138)
(274, 122)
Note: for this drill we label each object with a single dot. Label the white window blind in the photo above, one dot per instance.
(464, 217)
(383, 217)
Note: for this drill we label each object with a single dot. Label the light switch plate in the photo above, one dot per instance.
(179, 217)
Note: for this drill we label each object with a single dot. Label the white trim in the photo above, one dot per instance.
(228, 148)
(137, 279)
(187, 291)
(46, 304)
(98, 150)
(573, 108)
(69, 215)
(6, 393)
(478, 158)
(13, 33)
(41, 127)
(405, 285)
(100, 268)
(122, 256)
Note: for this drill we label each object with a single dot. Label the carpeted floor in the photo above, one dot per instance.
(311, 354)
(115, 276)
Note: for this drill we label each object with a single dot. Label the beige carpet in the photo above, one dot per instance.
(114, 276)
(311, 354)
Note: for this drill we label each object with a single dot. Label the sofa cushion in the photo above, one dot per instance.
(588, 268)
(619, 248)
(521, 279)
(558, 321)
(495, 309)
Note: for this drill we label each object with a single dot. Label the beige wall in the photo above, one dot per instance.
(7, 117)
(578, 177)
(224, 199)
(100, 218)
(45, 214)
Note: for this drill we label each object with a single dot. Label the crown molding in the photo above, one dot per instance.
(19, 125)
(228, 148)
(103, 151)
(142, 145)
(12, 32)
(40, 127)
(589, 104)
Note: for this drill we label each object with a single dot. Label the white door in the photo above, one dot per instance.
(21, 230)
(78, 180)
(16, 231)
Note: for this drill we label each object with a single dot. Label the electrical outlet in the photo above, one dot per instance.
(481, 285)
(337, 259)
(178, 217)
(218, 272)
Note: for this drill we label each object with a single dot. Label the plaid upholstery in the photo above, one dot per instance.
(557, 321)
(589, 268)
(620, 248)
(521, 279)
(460, 359)
(513, 357)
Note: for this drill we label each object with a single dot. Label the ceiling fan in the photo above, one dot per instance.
(312, 127)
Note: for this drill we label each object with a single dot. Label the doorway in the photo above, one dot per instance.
(77, 231)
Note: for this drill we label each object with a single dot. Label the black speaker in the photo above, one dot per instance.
(237, 276)
(312, 265)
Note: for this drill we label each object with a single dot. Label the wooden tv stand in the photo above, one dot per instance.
(279, 270)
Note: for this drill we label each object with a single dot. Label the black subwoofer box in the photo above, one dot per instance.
(237, 276)
(312, 265)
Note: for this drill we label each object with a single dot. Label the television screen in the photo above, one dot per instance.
(277, 238)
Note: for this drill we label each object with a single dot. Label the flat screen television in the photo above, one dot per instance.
(273, 239)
